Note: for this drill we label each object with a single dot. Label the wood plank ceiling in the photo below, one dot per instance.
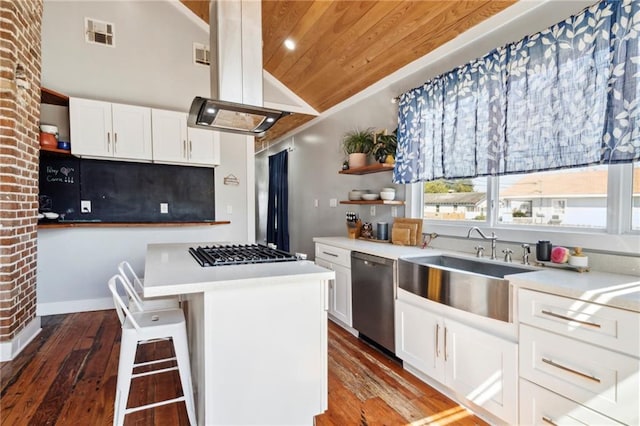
(342, 47)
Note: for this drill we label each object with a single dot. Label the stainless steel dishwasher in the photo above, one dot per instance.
(373, 296)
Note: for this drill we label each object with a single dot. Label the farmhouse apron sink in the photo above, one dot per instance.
(471, 285)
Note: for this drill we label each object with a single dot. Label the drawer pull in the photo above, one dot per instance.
(445, 343)
(329, 254)
(553, 314)
(437, 338)
(549, 421)
(570, 370)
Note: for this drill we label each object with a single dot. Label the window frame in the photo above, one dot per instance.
(617, 237)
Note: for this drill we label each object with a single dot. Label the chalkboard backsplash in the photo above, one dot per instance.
(123, 192)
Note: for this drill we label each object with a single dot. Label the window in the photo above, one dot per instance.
(455, 200)
(596, 207)
(559, 198)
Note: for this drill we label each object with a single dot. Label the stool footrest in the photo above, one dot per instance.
(156, 361)
(149, 373)
(153, 405)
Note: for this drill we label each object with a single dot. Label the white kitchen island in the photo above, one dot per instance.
(257, 335)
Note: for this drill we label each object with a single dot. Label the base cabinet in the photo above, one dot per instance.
(339, 261)
(471, 362)
(572, 348)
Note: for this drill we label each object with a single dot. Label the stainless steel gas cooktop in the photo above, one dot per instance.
(238, 254)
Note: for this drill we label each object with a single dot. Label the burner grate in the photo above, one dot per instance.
(238, 254)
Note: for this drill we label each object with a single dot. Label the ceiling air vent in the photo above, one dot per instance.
(201, 54)
(98, 32)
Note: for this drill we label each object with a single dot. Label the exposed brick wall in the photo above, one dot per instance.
(20, 22)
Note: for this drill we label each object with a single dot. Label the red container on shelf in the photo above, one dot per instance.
(48, 140)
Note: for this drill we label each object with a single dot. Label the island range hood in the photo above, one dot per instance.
(235, 106)
(215, 114)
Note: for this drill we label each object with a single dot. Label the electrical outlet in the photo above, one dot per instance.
(373, 211)
(394, 211)
(315, 203)
(164, 208)
(229, 209)
(85, 206)
(333, 202)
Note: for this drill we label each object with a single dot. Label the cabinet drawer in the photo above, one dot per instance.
(603, 380)
(538, 406)
(604, 326)
(336, 255)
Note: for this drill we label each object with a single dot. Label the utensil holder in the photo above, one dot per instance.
(354, 229)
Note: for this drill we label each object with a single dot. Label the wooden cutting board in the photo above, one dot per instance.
(418, 222)
(400, 236)
(413, 230)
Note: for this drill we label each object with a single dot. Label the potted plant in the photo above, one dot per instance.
(357, 144)
(384, 148)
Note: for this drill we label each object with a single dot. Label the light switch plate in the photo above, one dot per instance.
(373, 211)
(85, 206)
(333, 202)
(164, 208)
(394, 211)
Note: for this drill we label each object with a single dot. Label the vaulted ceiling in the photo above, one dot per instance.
(342, 47)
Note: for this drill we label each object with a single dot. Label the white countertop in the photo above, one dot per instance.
(621, 291)
(171, 270)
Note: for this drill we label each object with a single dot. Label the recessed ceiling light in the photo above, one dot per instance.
(289, 44)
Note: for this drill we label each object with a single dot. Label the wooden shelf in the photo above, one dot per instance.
(385, 202)
(372, 168)
(56, 150)
(47, 224)
(48, 96)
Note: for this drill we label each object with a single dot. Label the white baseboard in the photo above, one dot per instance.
(9, 350)
(71, 306)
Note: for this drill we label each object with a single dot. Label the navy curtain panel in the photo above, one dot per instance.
(278, 206)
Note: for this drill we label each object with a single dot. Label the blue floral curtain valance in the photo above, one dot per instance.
(564, 97)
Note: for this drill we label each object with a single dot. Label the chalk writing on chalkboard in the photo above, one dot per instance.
(60, 174)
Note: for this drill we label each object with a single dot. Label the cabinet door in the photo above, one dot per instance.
(90, 128)
(131, 132)
(203, 147)
(341, 302)
(169, 134)
(419, 339)
(482, 367)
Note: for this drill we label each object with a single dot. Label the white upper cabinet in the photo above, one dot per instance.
(175, 143)
(106, 130)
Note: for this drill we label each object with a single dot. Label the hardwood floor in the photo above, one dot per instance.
(67, 376)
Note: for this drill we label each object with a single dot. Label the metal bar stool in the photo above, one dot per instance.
(144, 327)
(141, 303)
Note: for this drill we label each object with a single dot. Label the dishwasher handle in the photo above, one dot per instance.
(371, 260)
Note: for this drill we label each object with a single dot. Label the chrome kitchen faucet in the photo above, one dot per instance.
(493, 239)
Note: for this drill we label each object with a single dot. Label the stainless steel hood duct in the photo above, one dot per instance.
(235, 25)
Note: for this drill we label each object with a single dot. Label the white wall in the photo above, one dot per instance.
(151, 65)
(314, 162)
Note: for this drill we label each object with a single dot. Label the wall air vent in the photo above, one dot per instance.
(201, 54)
(99, 32)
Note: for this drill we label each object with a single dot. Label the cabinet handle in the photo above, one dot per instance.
(115, 142)
(190, 149)
(437, 340)
(329, 254)
(445, 343)
(553, 314)
(549, 421)
(184, 148)
(108, 141)
(570, 370)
